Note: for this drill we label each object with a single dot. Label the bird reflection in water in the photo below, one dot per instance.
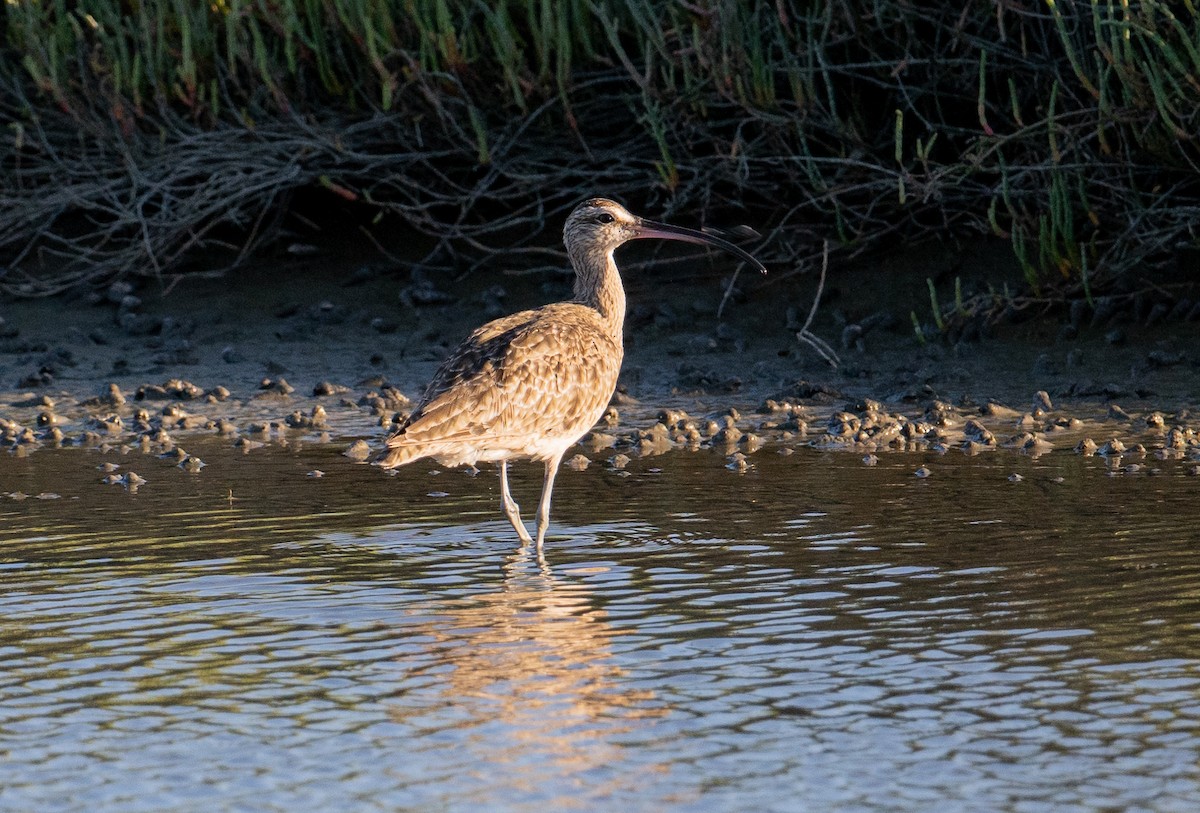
(531, 668)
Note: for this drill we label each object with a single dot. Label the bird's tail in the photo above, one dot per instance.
(406, 446)
(398, 455)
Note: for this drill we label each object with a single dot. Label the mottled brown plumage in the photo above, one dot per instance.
(530, 385)
(516, 388)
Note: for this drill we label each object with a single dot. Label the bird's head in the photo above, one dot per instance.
(601, 225)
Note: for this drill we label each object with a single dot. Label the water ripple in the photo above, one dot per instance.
(813, 634)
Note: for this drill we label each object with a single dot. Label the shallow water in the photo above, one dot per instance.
(813, 634)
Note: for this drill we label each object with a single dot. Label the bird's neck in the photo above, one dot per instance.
(598, 285)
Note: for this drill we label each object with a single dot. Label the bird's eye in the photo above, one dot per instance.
(605, 217)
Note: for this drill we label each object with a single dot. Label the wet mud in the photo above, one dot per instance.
(333, 348)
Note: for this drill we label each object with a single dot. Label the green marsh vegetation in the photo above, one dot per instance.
(140, 136)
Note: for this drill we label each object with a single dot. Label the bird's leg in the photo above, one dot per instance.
(543, 514)
(511, 509)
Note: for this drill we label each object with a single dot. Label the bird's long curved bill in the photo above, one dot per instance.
(665, 231)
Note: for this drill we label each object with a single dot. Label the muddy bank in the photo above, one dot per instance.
(333, 346)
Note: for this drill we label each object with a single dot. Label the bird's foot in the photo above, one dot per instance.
(519, 527)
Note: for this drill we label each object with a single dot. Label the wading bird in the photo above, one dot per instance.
(530, 385)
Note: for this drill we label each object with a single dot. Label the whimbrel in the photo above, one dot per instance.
(530, 385)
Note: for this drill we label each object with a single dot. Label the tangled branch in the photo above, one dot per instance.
(1067, 131)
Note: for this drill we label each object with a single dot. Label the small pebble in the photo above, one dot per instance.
(976, 432)
(359, 450)
(315, 419)
(672, 417)
(598, 440)
(192, 464)
(111, 397)
(579, 462)
(276, 386)
(1015, 478)
(922, 472)
(315, 473)
(994, 410)
(175, 454)
(750, 442)
(1117, 414)
(729, 435)
(737, 462)
(329, 388)
(1037, 445)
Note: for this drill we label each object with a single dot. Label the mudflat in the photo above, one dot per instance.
(335, 343)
